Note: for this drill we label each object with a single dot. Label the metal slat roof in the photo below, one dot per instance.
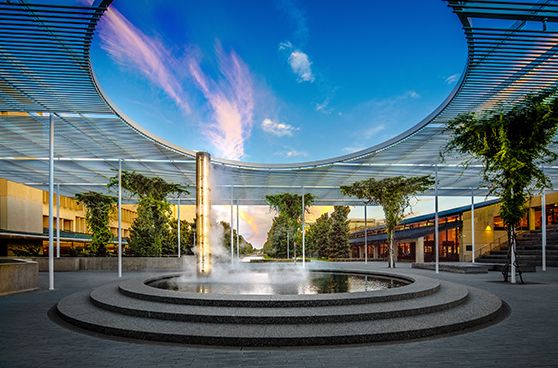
(45, 68)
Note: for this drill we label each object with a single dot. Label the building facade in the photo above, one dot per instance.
(415, 241)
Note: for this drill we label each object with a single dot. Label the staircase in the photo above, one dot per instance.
(529, 249)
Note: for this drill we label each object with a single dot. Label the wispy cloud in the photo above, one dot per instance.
(324, 107)
(278, 129)
(130, 47)
(297, 18)
(373, 131)
(452, 78)
(231, 100)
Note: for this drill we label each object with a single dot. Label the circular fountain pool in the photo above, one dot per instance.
(279, 283)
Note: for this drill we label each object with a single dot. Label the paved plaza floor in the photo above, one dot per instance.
(527, 338)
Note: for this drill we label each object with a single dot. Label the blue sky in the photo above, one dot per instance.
(278, 81)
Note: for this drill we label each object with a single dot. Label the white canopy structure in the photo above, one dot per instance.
(45, 69)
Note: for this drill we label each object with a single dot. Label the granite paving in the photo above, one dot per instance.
(527, 338)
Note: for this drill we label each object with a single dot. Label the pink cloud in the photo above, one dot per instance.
(231, 101)
(130, 47)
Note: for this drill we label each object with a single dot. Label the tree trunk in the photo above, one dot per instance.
(391, 258)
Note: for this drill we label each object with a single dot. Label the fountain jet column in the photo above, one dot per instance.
(203, 209)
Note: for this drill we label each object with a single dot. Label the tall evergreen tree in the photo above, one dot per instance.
(339, 233)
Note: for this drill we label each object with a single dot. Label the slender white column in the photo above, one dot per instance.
(473, 225)
(178, 225)
(543, 228)
(365, 235)
(119, 218)
(51, 204)
(57, 220)
(303, 242)
(231, 223)
(237, 232)
(512, 261)
(436, 235)
(288, 255)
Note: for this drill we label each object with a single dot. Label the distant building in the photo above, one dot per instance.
(414, 237)
(24, 219)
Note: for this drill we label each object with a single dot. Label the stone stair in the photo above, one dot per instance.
(529, 250)
(424, 308)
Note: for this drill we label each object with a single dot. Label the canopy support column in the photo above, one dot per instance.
(365, 235)
(58, 220)
(51, 204)
(119, 218)
(303, 240)
(178, 226)
(436, 220)
(543, 228)
(231, 223)
(473, 225)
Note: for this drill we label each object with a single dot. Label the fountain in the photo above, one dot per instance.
(273, 306)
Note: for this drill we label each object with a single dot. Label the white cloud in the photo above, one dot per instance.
(452, 78)
(278, 129)
(302, 66)
(411, 94)
(295, 153)
(290, 152)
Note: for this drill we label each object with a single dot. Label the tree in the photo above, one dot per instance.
(394, 195)
(289, 207)
(512, 146)
(338, 239)
(150, 231)
(245, 248)
(186, 238)
(98, 208)
(317, 236)
(275, 244)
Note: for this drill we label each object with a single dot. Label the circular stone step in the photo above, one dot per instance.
(480, 308)
(419, 286)
(109, 298)
(437, 307)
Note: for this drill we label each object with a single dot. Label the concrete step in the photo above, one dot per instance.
(109, 298)
(480, 308)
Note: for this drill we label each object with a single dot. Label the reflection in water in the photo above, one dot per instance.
(264, 283)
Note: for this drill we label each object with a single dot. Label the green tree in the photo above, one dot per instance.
(186, 238)
(275, 245)
(150, 232)
(289, 206)
(338, 239)
(98, 209)
(245, 248)
(394, 195)
(317, 236)
(512, 146)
